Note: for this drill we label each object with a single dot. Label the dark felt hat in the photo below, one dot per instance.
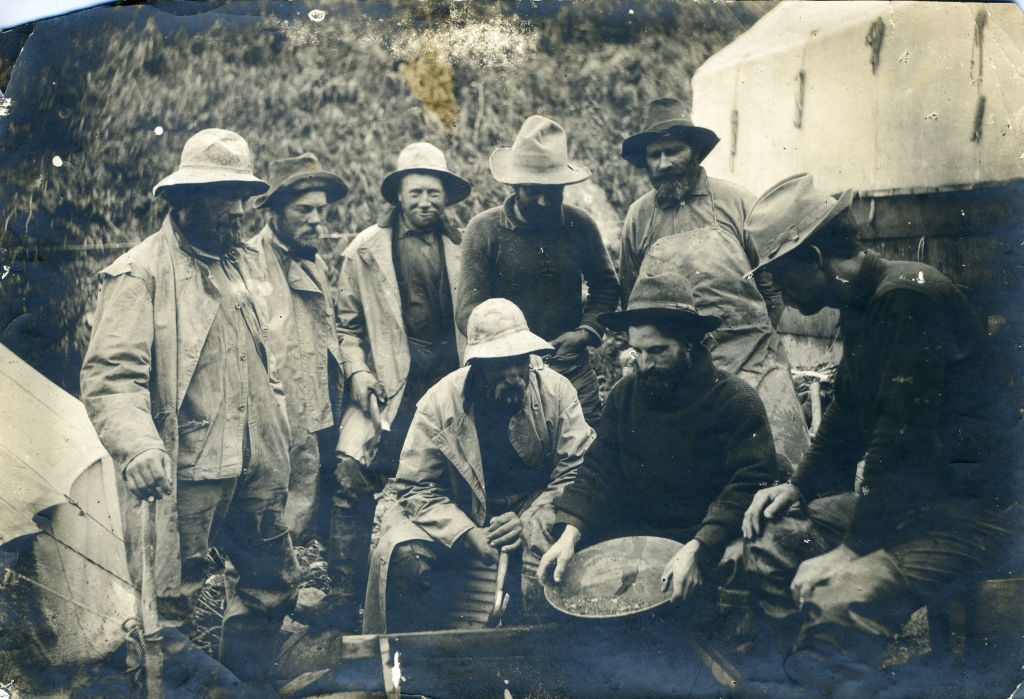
(668, 117)
(302, 173)
(665, 297)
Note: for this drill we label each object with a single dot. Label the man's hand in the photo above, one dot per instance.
(769, 503)
(149, 474)
(817, 570)
(559, 555)
(571, 343)
(475, 540)
(365, 387)
(505, 531)
(682, 572)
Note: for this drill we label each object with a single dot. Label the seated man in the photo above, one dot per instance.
(681, 449)
(907, 489)
(490, 447)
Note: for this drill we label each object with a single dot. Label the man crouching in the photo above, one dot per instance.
(489, 449)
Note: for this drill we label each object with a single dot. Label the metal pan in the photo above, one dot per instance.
(615, 578)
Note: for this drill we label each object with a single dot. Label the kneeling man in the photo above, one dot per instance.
(489, 449)
(681, 449)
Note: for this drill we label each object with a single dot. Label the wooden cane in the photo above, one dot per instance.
(153, 660)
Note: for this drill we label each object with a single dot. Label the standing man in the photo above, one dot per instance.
(536, 251)
(490, 448)
(303, 334)
(920, 444)
(693, 224)
(177, 380)
(681, 449)
(398, 338)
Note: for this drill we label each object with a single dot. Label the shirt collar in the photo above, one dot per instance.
(867, 280)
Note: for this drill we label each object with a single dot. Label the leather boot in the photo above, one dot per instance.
(248, 648)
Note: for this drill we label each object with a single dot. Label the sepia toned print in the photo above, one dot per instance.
(267, 430)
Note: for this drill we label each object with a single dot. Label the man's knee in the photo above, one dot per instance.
(859, 586)
(412, 563)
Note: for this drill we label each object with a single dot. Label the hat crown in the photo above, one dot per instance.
(666, 112)
(217, 148)
(494, 319)
(668, 290)
(541, 144)
(788, 213)
(421, 155)
(285, 168)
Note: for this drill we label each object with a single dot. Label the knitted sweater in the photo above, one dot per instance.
(694, 462)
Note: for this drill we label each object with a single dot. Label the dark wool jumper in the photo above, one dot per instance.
(691, 463)
(540, 270)
(915, 399)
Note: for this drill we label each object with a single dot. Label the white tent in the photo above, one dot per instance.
(883, 97)
(57, 483)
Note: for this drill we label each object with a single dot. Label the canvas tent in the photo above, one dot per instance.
(883, 97)
(58, 486)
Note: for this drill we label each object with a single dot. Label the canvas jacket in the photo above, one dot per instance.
(303, 334)
(152, 320)
(371, 329)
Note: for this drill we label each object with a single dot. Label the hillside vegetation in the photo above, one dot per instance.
(103, 100)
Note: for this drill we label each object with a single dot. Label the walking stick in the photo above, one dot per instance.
(153, 661)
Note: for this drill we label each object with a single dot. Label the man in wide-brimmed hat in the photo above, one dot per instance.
(303, 334)
(693, 224)
(396, 324)
(537, 252)
(681, 449)
(491, 446)
(180, 384)
(921, 437)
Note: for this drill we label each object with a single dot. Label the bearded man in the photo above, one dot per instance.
(681, 449)
(303, 335)
(537, 252)
(489, 449)
(693, 224)
(180, 384)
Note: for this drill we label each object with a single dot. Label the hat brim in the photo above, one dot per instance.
(623, 320)
(320, 180)
(456, 189)
(702, 140)
(191, 176)
(514, 344)
(841, 205)
(507, 172)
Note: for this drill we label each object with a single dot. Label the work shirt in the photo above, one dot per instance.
(916, 400)
(229, 380)
(539, 270)
(691, 462)
(423, 284)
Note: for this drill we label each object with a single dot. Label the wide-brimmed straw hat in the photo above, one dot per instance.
(215, 156)
(788, 214)
(302, 173)
(497, 328)
(425, 159)
(668, 116)
(665, 297)
(538, 156)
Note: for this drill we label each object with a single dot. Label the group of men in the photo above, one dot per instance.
(454, 366)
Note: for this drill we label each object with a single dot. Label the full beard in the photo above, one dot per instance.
(509, 394)
(217, 236)
(670, 187)
(660, 386)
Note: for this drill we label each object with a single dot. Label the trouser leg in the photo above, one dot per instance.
(584, 379)
(303, 486)
(261, 589)
(415, 600)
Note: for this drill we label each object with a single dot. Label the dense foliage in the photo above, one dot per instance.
(103, 100)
